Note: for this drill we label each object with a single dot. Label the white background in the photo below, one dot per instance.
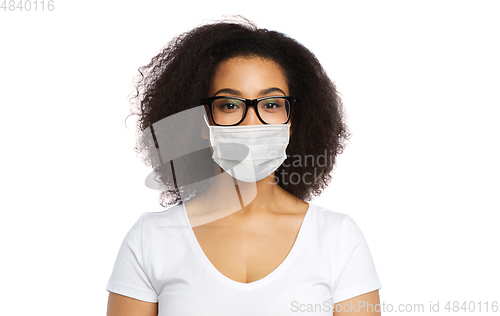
(420, 83)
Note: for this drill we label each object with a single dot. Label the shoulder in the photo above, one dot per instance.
(328, 217)
(152, 223)
(170, 216)
(335, 225)
(154, 229)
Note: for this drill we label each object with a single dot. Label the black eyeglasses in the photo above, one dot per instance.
(230, 111)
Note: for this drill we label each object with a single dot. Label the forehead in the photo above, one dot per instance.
(249, 75)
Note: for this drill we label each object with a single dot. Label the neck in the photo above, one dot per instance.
(227, 196)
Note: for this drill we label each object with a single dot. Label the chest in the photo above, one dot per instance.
(248, 251)
(276, 266)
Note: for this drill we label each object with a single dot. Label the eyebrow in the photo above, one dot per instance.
(238, 93)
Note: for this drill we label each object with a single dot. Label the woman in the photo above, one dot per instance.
(240, 238)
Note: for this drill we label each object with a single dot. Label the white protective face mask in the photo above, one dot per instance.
(249, 153)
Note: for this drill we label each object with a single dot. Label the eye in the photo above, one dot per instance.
(228, 105)
(272, 104)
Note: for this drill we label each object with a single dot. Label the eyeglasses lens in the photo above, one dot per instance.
(228, 111)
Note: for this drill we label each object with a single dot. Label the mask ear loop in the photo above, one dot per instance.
(206, 119)
(209, 130)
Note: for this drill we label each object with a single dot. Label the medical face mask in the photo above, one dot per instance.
(249, 153)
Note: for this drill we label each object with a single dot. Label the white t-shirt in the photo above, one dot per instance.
(160, 260)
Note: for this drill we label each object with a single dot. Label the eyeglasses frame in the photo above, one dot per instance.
(249, 103)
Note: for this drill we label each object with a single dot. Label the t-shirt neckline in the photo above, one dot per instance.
(219, 276)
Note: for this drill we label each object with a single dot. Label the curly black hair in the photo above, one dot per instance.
(179, 77)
